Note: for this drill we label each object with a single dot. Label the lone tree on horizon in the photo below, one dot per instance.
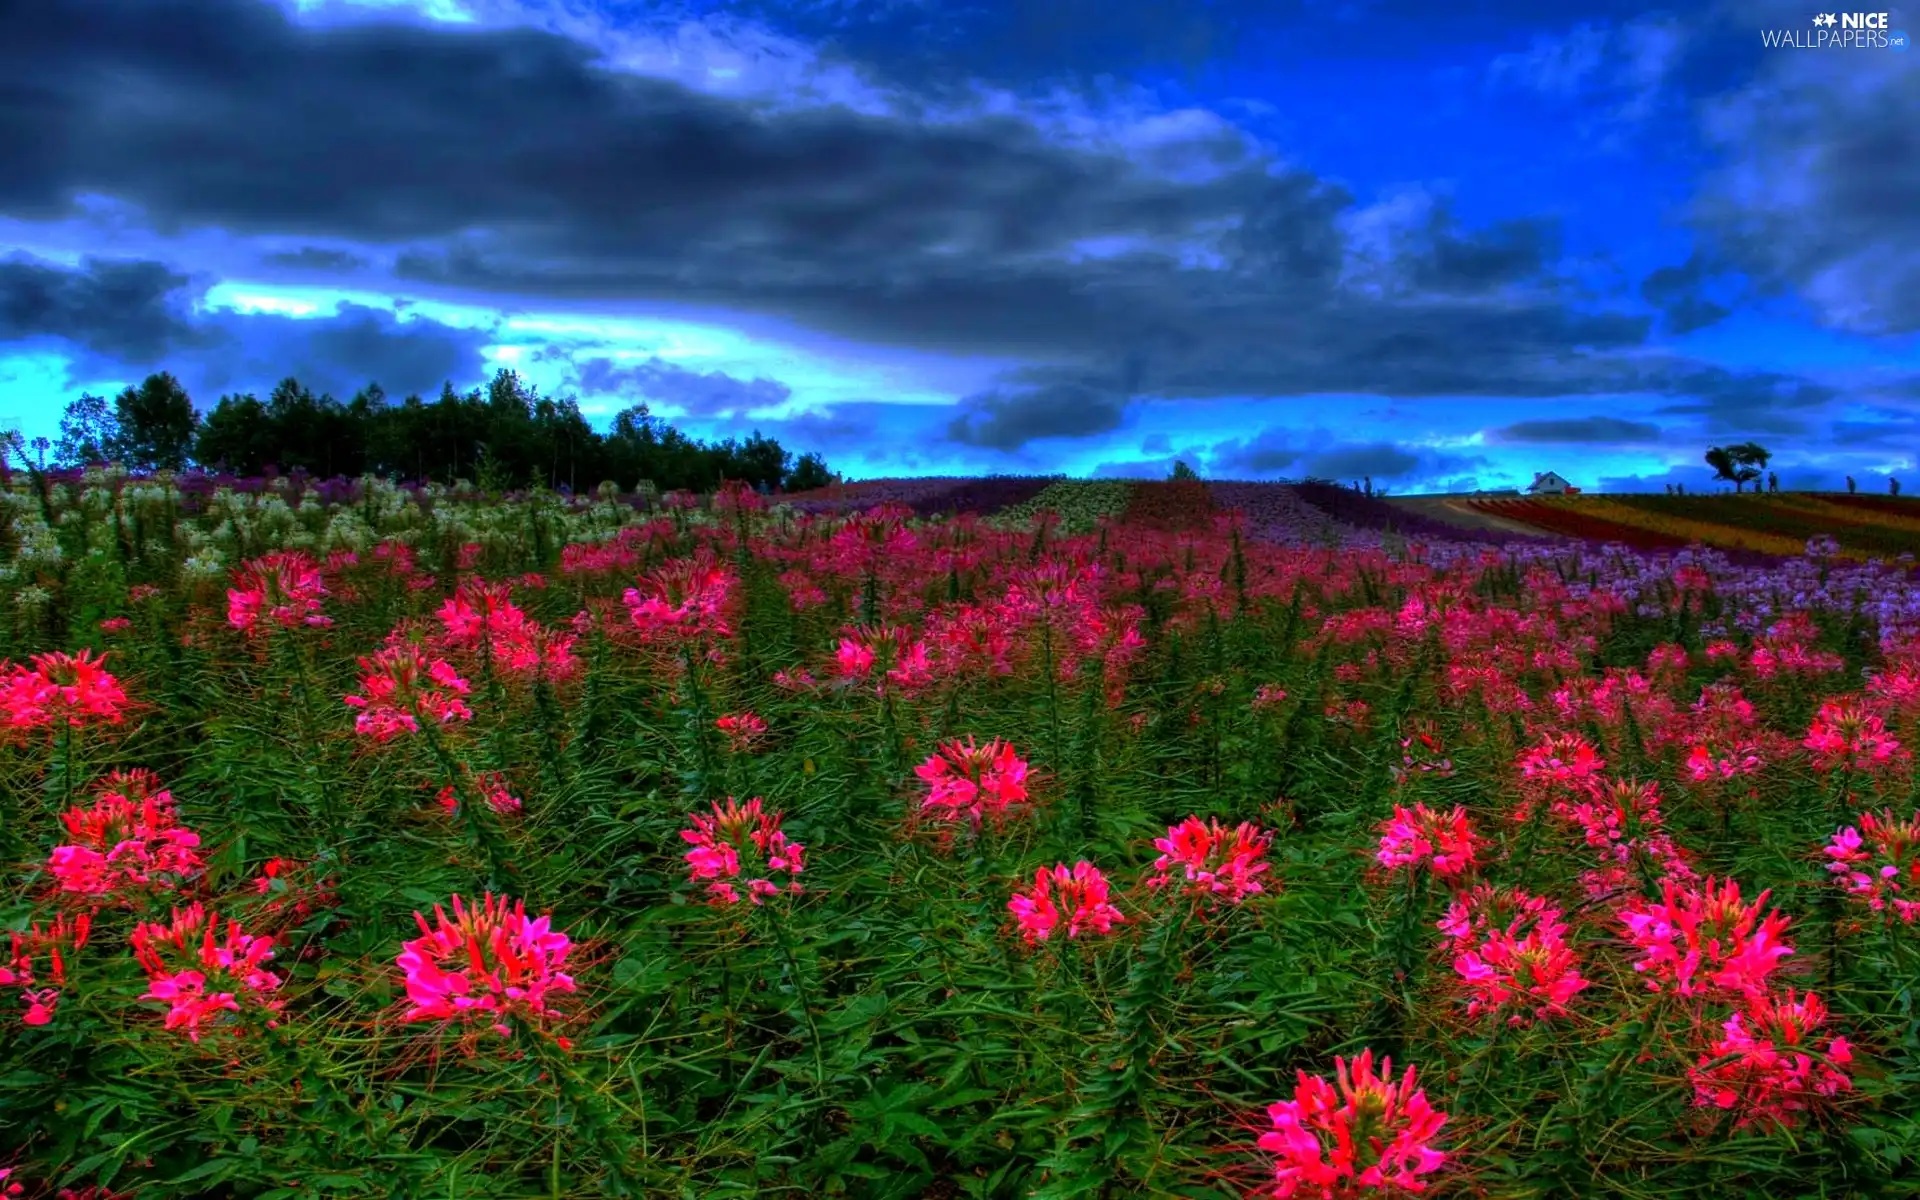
(1739, 464)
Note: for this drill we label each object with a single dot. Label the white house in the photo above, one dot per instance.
(1547, 483)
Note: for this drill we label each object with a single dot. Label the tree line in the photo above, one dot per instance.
(505, 435)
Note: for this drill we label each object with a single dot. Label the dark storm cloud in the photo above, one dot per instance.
(1267, 453)
(1745, 403)
(1891, 429)
(129, 317)
(116, 309)
(507, 161)
(317, 258)
(1578, 430)
(338, 354)
(1679, 294)
(669, 383)
(1818, 188)
(1009, 420)
(1382, 459)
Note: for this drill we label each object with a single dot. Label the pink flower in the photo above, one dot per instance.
(1561, 758)
(1879, 863)
(1761, 1068)
(1269, 696)
(401, 685)
(1442, 842)
(485, 965)
(1845, 734)
(1487, 908)
(115, 625)
(130, 840)
(1361, 1133)
(1071, 897)
(900, 659)
(59, 688)
(721, 838)
(1214, 863)
(974, 781)
(741, 730)
(684, 600)
(1705, 940)
(494, 786)
(199, 974)
(1725, 762)
(1528, 976)
(278, 590)
(56, 942)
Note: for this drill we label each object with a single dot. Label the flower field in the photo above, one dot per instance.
(1860, 527)
(1177, 840)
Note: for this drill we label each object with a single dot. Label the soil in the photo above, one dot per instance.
(1456, 510)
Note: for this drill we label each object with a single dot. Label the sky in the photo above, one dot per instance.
(1444, 244)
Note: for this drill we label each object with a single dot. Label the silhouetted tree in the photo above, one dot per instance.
(809, 471)
(87, 430)
(1739, 464)
(1182, 471)
(505, 435)
(157, 422)
(1852, 487)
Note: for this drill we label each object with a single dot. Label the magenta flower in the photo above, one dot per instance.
(1705, 940)
(130, 840)
(1361, 1133)
(1213, 862)
(278, 590)
(1765, 1067)
(401, 684)
(1070, 898)
(1443, 843)
(200, 974)
(974, 781)
(741, 843)
(485, 965)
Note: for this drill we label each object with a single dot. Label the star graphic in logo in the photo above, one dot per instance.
(1827, 19)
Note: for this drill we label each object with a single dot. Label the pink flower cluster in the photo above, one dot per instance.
(682, 601)
(74, 690)
(1704, 940)
(486, 964)
(1526, 975)
(975, 782)
(899, 658)
(1561, 759)
(1211, 862)
(1878, 862)
(480, 618)
(1765, 1067)
(1845, 734)
(722, 837)
(279, 590)
(1443, 843)
(1073, 899)
(741, 730)
(1363, 1131)
(199, 970)
(493, 785)
(56, 941)
(129, 840)
(401, 684)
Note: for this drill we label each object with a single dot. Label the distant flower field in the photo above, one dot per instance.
(960, 838)
(1783, 523)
